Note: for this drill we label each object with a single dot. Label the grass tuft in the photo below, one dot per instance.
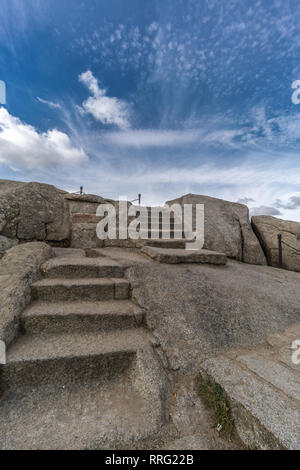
(214, 398)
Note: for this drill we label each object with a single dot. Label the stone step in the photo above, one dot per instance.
(176, 244)
(63, 317)
(120, 243)
(157, 220)
(146, 240)
(56, 290)
(162, 233)
(92, 393)
(177, 256)
(84, 236)
(85, 219)
(172, 243)
(94, 219)
(263, 397)
(277, 374)
(70, 357)
(89, 416)
(81, 267)
(75, 252)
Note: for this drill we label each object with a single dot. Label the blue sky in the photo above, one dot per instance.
(162, 97)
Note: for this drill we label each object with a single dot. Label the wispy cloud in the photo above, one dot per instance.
(107, 110)
(51, 104)
(151, 138)
(159, 182)
(254, 130)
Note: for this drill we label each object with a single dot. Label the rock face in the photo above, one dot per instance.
(33, 211)
(227, 228)
(84, 203)
(6, 244)
(267, 229)
(262, 386)
(41, 212)
(19, 268)
(199, 310)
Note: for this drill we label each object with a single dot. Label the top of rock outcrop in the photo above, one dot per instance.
(9, 185)
(32, 211)
(267, 229)
(227, 228)
(85, 198)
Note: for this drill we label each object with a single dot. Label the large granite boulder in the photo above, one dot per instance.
(33, 211)
(227, 228)
(19, 268)
(267, 229)
(6, 244)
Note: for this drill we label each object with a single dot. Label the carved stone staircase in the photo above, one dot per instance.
(84, 233)
(83, 374)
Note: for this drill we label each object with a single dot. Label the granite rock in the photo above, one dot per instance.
(33, 211)
(267, 229)
(19, 268)
(227, 228)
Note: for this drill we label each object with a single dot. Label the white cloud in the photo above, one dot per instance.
(21, 145)
(107, 110)
(152, 138)
(51, 104)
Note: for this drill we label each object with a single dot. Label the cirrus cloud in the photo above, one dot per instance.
(151, 138)
(51, 104)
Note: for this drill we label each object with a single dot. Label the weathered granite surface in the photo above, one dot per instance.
(6, 244)
(267, 229)
(196, 311)
(41, 212)
(264, 391)
(33, 211)
(19, 268)
(227, 228)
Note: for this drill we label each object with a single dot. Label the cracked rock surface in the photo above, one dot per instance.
(267, 229)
